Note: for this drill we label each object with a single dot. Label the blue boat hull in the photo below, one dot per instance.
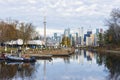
(32, 59)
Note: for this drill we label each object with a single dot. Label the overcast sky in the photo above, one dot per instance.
(60, 14)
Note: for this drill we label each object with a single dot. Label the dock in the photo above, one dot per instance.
(39, 56)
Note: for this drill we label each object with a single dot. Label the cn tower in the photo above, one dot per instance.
(44, 29)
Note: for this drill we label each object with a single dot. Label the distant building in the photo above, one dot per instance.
(97, 31)
(79, 40)
(101, 30)
(96, 36)
(67, 32)
(55, 35)
(90, 40)
(82, 36)
(74, 39)
(87, 36)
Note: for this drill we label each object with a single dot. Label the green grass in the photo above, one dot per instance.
(2, 50)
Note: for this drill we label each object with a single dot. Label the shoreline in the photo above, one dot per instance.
(46, 54)
(111, 51)
(102, 49)
(62, 52)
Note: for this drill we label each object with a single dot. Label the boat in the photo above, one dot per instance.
(14, 63)
(13, 58)
(2, 57)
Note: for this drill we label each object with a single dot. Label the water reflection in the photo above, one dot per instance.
(82, 56)
(10, 71)
(83, 65)
(44, 70)
(112, 63)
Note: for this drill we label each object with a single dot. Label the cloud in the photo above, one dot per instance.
(32, 1)
(49, 32)
(60, 13)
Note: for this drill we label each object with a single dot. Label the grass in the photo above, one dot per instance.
(8, 50)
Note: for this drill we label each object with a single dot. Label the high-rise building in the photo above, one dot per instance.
(96, 37)
(86, 36)
(97, 31)
(90, 40)
(82, 36)
(55, 35)
(101, 30)
(74, 39)
(68, 31)
(79, 36)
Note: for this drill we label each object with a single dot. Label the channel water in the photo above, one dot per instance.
(82, 65)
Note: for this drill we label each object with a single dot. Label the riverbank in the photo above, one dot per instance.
(41, 53)
(47, 54)
(104, 50)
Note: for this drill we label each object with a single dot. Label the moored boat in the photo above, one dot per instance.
(19, 59)
(2, 57)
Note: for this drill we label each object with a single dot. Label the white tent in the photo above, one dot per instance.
(15, 42)
(36, 42)
(20, 42)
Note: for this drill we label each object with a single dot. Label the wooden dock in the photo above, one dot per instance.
(39, 56)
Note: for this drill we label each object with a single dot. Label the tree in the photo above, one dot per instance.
(26, 31)
(100, 39)
(65, 41)
(112, 35)
(7, 32)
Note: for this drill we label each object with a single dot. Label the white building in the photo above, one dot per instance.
(90, 40)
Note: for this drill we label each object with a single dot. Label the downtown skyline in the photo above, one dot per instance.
(60, 14)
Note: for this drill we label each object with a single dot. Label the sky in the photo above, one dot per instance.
(60, 14)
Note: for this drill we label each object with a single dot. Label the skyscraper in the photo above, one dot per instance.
(87, 36)
(55, 35)
(79, 37)
(97, 31)
(82, 37)
(101, 30)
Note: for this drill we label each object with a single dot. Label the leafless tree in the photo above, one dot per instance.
(26, 31)
(113, 32)
(15, 30)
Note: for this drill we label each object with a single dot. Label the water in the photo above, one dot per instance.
(83, 65)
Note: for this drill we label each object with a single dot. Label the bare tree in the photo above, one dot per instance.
(15, 30)
(26, 31)
(113, 33)
(7, 32)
